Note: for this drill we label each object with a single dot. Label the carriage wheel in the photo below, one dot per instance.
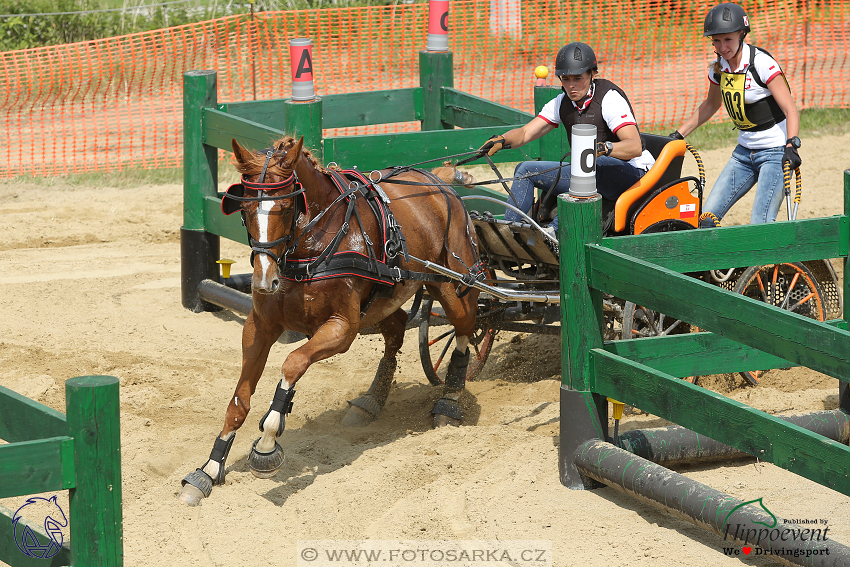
(639, 322)
(437, 338)
(788, 286)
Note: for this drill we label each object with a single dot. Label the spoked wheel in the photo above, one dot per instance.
(639, 322)
(437, 339)
(788, 286)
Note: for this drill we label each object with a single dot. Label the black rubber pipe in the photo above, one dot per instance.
(223, 296)
(749, 529)
(675, 445)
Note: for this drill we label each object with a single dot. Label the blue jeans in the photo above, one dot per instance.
(613, 177)
(745, 169)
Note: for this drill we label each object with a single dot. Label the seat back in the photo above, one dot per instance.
(669, 156)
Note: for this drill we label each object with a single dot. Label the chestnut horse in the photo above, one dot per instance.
(329, 259)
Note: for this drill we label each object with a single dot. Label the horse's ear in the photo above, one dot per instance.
(292, 154)
(242, 155)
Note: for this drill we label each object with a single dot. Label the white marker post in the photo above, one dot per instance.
(301, 59)
(583, 164)
(438, 25)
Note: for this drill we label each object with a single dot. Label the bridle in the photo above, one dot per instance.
(258, 247)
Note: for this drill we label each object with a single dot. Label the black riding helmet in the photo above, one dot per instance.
(574, 59)
(725, 18)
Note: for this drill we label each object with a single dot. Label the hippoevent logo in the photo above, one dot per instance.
(30, 542)
(775, 534)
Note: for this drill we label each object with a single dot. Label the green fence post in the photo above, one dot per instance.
(555, 144)
(199, 249)
(305, 119)
(584, 415)
(435, 72)
(91, 405)
(844, 387)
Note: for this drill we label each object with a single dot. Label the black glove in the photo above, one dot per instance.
(494, 144)
(792, 157)
(676, 136)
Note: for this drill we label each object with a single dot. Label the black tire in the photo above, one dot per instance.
(436, 338)
(789, 286)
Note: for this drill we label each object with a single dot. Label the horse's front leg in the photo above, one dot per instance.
(257, 341)
(333, 337)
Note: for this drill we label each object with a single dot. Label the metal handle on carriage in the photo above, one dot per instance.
(516, 210)
(495, 291)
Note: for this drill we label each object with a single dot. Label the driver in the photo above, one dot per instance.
(622, 158)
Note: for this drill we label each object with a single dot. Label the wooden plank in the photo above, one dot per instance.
(365, 108)
(219, 128)
(266, 112)
(468, 111)
(9, 552)
(708, 413)
(32, 467)
(377, 151)
(735, 246)
(699, 354)
(795, 338)
(23, 419)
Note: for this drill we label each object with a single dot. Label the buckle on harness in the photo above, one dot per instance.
(398, 270)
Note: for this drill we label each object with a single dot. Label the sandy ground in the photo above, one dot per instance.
(91, 286)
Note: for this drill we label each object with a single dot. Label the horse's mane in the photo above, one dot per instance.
(255, 165)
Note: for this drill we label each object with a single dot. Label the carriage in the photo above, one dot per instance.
(522, 291)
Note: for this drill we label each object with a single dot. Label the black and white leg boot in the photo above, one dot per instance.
(447, 410)
(267, 456)
(199, 483)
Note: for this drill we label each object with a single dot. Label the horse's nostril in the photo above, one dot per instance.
(275, 285)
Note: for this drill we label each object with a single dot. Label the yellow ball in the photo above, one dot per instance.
(541, 72)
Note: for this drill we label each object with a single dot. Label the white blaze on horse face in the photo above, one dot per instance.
(264, 209)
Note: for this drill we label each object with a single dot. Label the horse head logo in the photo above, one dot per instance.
(31, 542)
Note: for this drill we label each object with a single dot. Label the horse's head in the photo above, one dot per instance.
(268, 198)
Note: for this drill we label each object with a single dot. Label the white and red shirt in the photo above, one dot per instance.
(767, 69)
(616, 113)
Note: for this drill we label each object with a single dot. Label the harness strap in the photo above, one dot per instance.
(344, 264)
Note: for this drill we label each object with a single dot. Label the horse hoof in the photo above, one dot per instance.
(265, 465)
(190, 495)
(362, 411)
(447, 412)
(444, 420)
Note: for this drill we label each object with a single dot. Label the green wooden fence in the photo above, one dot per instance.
(451, 121)
(740, 333)
(81, 453)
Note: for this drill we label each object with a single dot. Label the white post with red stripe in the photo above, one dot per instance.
(301, 59)
(438, 25)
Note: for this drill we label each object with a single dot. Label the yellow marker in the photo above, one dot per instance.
(541, 72)
(225, 267)
(618, 408)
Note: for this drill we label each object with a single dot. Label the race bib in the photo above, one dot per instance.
(732, 89)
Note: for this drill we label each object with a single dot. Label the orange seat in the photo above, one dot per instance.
(669, 155)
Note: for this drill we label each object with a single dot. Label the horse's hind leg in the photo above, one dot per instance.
(367, 407)
(461, 314)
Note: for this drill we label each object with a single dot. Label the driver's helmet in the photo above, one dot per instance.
(725, 18)
(574, 59)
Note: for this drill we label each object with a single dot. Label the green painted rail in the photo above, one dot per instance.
(743, 333)
(82, 454)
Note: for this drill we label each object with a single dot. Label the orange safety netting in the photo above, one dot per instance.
(115, 103)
